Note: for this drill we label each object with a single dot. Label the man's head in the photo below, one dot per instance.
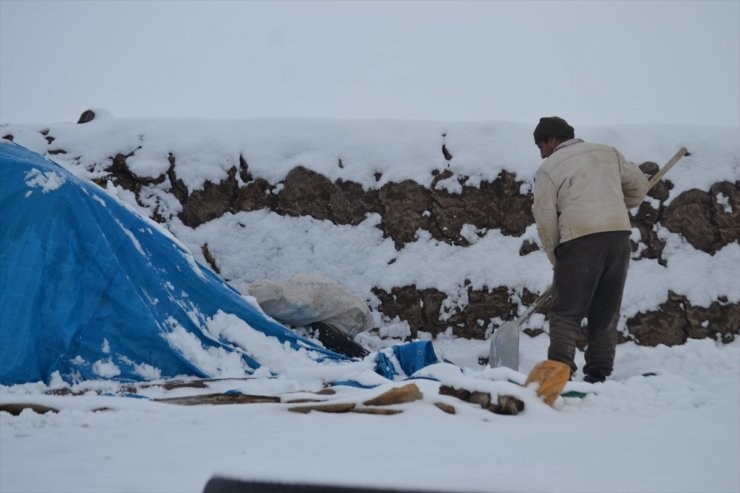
(550, 132)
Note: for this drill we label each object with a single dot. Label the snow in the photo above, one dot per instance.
(677, 430)
(397, 149)
(48, 182)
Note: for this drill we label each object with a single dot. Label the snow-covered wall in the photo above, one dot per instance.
(428, 221)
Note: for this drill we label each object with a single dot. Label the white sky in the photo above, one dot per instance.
(591, 62)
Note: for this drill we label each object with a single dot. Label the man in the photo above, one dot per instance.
(581, 196)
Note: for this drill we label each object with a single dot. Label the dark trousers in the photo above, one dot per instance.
(589, 277)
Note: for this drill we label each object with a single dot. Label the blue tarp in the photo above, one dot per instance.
(405, 359)
(91, 289)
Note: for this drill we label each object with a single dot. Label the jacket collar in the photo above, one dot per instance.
(567, 143)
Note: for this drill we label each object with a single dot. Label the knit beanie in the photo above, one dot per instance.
(552, 126)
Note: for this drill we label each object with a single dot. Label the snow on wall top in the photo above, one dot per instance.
(395, 149)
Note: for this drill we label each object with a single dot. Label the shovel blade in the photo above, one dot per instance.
(505, 346)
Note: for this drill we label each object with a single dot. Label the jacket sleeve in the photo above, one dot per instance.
(634, 182)
(545, 213)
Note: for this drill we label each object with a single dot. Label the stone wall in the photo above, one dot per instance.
(708, 220)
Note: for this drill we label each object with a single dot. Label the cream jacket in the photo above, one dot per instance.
(582, 189)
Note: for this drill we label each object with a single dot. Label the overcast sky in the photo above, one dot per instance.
(594, 62)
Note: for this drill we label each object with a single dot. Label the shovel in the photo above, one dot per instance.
(505, 339)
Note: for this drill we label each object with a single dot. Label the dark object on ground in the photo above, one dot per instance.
(337, 341)
(594, 378)
(235, 398)
(505, 404)
(86, 116)
(16, 408)
(226, 485)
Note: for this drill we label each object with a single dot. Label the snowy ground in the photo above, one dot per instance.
(676, 431)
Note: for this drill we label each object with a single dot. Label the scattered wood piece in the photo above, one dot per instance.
(324, 408)
(63, 391)
(449, 409)
(396, 395)
(301, 401)
(16, 408)
(192, 384)
(505, 404)
(195, 383)
(483, 399)
(193, 400)
(306, 396)
(384, 411)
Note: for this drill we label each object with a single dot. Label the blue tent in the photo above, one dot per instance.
(91, 289)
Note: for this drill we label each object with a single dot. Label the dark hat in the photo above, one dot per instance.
(552, 126)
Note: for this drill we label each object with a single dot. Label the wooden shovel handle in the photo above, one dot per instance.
(655, 179)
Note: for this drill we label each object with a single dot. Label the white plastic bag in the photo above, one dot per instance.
(306, 299)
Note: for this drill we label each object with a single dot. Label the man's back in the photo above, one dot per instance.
(590, 186)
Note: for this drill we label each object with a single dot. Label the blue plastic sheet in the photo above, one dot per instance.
(403, 360)
(90, 289)
(414, 356)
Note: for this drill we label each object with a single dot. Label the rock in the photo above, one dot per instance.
(660, 190)
(86, 116)
(690, 215)
(420, 309)
(446, 153)
(668, 325)
(349, 203)
(254, 196)
(726, 210)
(676, 320)
(403, 207)
(528, 247)
(120, 174)
(210, 202)
(305, 193)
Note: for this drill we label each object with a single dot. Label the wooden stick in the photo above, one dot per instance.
(655, 179)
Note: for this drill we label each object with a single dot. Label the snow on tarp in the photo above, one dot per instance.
(90, 289)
